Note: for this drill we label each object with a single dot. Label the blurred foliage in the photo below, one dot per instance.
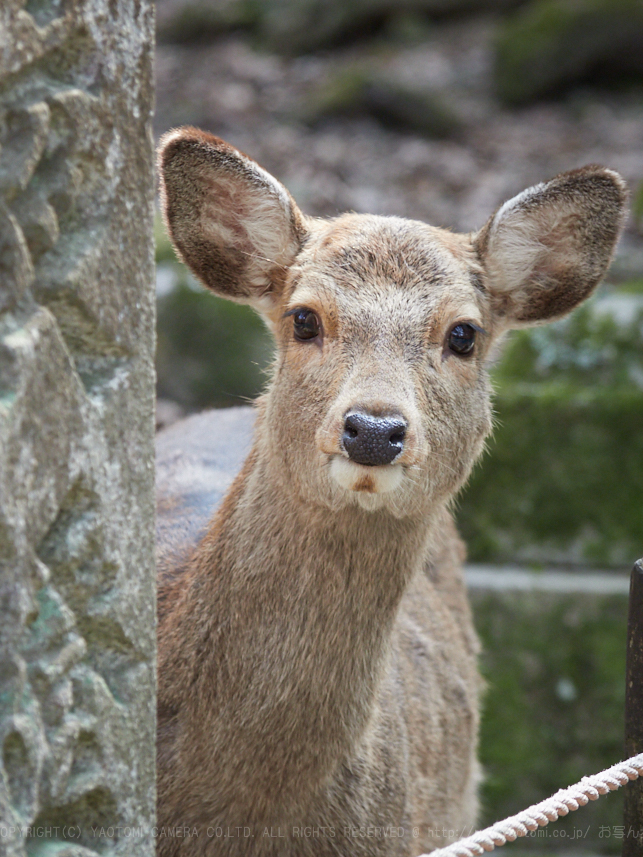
(210, 352)
(542, 46)
(637, 206)
(201, 20)
(300, 26)
(554, 706)
(550, 44)
(564, 470)
(589, 347)
(363, 89)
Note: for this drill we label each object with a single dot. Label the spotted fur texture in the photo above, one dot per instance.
(317, 658)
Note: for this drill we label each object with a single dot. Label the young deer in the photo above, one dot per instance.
(318, 690)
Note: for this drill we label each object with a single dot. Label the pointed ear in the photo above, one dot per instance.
(548, 248)
(236, 226)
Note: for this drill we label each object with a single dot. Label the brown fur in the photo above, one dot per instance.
(317, 659)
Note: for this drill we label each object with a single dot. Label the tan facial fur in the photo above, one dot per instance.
(317, 658)
(387, 293)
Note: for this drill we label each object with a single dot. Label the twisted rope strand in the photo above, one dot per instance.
(564, 801)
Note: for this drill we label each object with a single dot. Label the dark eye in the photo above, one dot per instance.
(462, 338)
(306, 324)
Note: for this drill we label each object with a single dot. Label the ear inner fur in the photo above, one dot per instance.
(233, 224)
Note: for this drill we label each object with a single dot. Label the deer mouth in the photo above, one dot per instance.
(365, 479)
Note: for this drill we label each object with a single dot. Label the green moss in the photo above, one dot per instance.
(342, 93)
(634, 287)
(163, 245)
(529, 36)
(553, 709)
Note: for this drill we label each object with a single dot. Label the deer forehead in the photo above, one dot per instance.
(387, 271)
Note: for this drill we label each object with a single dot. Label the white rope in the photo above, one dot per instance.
(540, 814)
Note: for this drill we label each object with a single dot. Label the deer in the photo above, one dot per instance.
(318, 683)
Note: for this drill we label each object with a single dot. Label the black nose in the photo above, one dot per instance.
(373, 440)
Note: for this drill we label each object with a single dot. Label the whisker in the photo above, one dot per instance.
(263, 259)
(437, 457)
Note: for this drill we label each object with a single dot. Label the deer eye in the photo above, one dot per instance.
(306, 324)
(462, 338)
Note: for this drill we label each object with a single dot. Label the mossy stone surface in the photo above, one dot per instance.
(553, 708)
(78, 586)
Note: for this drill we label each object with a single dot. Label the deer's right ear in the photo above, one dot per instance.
(546, 250)
(236, 226)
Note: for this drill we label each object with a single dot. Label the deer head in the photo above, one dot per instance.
(380, 396)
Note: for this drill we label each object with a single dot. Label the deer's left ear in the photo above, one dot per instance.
(546, 250)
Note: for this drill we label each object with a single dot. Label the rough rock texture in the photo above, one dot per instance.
(76, 427)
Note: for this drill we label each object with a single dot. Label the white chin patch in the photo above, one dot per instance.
(365, 481)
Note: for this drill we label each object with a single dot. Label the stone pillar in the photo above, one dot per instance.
(76, 428)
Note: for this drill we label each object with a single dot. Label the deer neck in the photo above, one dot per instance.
(287, 617)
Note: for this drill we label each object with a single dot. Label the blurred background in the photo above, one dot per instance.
(440, 110)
